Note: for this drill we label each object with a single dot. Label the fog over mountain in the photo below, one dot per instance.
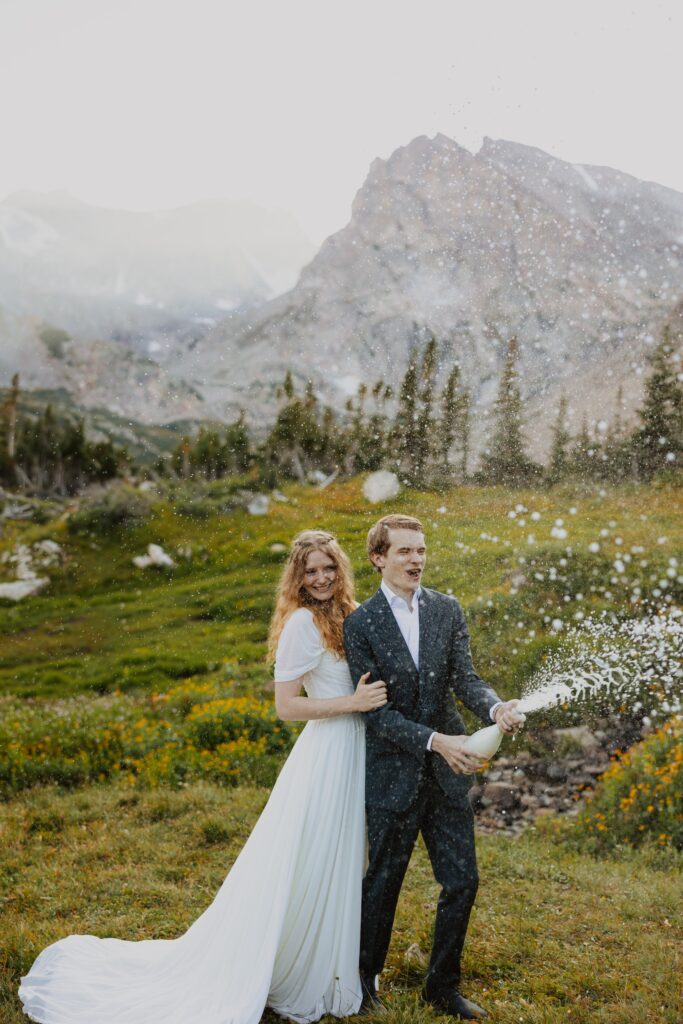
(583, 264)
(150, 279)
(131, 290)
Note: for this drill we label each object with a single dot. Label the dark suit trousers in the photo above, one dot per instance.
(447, 827)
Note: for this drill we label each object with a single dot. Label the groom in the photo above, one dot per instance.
(417, 769)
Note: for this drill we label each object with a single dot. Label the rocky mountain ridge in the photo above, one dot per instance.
(582, 264)
(97, 374)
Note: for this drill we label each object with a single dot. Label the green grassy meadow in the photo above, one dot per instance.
(104, 625)
(557, 935)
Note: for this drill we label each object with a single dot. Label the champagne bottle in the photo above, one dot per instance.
(486, 741)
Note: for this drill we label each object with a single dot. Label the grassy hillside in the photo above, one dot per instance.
(556, 936)
(104, 625)
(111, 654)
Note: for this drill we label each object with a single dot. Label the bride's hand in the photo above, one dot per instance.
(370, 696)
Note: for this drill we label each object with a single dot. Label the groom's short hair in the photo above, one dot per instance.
(378, 535)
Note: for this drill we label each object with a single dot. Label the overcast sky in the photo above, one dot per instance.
(147, 104)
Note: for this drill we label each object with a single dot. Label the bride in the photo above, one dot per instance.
(283, 930)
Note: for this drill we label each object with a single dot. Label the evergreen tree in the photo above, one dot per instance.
(8, 431)
(464, 433)
(505, 461)
(582, 457)
(658, 444)
(452, 427)
(300, 439)
(54, 456)
(405, 435)
(377, 426)
(559, 450)
(617, 459)
(424, 423)
(238, 445)
(288, 386)
(208, 457)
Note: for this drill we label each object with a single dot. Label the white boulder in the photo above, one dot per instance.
(259, 505)
(20, 589)
(381, 486)
(155, 556)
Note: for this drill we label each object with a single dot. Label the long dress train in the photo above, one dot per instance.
(283, 929)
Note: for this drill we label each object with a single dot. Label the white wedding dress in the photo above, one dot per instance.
(284, 928)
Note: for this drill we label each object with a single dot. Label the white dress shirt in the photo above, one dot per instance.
(408, 621)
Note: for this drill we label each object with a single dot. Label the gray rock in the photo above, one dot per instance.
(20, 589)
(580, 263)
(580, 735)
(504, 796)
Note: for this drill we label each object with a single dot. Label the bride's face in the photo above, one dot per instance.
(320, 576)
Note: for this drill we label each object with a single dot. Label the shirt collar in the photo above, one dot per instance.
(391, 596)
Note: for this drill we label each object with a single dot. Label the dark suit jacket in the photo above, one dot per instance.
(419, 702)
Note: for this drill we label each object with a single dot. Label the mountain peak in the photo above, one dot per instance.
(33, 199)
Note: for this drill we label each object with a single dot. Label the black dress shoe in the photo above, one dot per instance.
(371, 1001)
(455, 1005)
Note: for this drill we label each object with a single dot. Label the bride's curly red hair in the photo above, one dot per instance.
(291, 594)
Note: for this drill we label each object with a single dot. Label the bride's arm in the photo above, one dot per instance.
(291, 706)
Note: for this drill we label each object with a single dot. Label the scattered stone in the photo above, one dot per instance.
(279, 496)
(20, 589)
(51, 547)
(509, 796)
(502, 794)
(277, 548)
(17, 511)
(415, 955)
(327, 480)
(596, 768)
(582, 780)
(581, 736)
(556, 771)
(259, 505)
(381, 486)
(155, 556)
(24, 563)
(23, 557)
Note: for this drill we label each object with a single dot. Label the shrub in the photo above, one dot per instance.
(640, 796)
(214, 833)
(217, 722)
(189, 733)
(103, 510)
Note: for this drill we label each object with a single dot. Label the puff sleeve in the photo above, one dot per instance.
(300, 647)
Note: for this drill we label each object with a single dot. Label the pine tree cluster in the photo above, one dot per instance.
(421, 433)
(45, 455)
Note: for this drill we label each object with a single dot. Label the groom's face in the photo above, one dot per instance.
(403, 563)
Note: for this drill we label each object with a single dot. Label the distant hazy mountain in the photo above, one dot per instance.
(151, 279)
(97, 374)
(583, 264)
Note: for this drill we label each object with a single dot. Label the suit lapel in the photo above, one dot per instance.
(429, 631)
(386, 621)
